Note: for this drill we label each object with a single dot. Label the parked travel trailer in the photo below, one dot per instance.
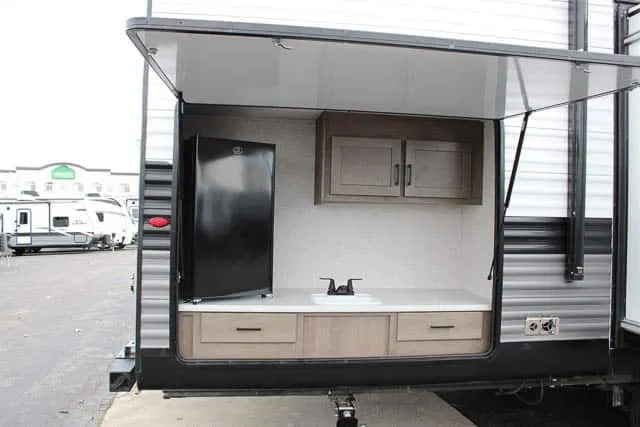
(114, 220)
(33, 225)
(131, 204)
(360, 197)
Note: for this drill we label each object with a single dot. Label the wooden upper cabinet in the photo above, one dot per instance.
(438, 169)
(366, 166)
(375, 158)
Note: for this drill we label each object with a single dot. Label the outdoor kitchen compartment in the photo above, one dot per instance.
(233, 212)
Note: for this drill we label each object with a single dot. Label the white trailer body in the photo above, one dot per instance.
(33, 225)
(114, 220)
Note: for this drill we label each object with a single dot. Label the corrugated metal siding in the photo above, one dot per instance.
(534, 265)
(534, 285)
(160, 111)
(156, 244)
(540, 189)
(601, 18)
(154, 323)
(600, 119)
(514, 21)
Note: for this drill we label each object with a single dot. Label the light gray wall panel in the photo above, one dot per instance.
(534, 285)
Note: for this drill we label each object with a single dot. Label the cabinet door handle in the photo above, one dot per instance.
(396, 174)
(408, 174)
(248, 329)
(442, 326)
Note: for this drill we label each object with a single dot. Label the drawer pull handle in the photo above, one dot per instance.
(442, 326)
(248, 329)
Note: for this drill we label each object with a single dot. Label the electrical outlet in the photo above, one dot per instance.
(549, 325)
(541, 325)
(532, 326)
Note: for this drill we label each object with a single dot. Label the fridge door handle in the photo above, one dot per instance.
(396, 174)
(408, 174)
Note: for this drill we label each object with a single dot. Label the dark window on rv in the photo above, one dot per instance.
(60, 221)
(100, 216)
(24, 218)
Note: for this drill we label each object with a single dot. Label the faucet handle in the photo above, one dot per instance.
(332, 283)
(350, 284)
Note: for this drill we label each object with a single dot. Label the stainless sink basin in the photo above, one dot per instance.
(358, 299)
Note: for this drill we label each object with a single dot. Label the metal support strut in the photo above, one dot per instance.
(512, 178)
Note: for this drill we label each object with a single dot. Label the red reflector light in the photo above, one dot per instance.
(158, 221)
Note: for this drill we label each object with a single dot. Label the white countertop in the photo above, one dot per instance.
(388, 300)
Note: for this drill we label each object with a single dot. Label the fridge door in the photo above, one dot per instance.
(233, 218)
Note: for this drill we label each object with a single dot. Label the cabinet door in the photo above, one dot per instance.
(345, 335)
(365, 166)
(438, 169)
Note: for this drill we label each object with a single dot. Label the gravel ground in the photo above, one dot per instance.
(63, 316)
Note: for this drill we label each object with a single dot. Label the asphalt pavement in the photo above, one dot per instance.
(63, 316)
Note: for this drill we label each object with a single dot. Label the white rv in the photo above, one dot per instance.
(114, 220)
(34, 225)
(417, 146)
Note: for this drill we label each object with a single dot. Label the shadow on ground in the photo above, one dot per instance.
(566, 408)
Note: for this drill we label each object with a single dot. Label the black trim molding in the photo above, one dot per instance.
(577, 153)
(619, 337)
(508, 362)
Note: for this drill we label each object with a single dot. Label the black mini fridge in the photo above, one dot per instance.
(232, 213)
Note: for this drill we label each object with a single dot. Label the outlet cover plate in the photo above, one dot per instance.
(543, 325)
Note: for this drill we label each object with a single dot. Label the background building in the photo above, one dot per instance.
(66, 180)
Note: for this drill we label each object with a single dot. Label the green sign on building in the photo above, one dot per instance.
(63, 172)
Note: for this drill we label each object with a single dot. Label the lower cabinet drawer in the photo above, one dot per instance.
(232, 336)
(231, 351)
(438, 348)
(440, 326)
(248, 328)
(441, 333)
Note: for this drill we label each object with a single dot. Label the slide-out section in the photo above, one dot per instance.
(422, 261)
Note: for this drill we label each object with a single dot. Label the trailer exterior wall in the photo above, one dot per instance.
(534, 283)
(600, 119)
(540, 190)
(631, 315)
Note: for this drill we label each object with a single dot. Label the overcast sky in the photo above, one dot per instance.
(72, 83)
